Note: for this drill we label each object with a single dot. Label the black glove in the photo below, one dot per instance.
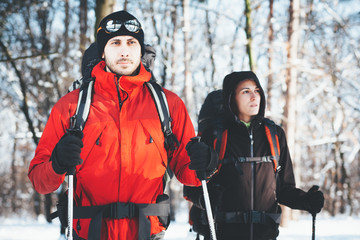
(204, 159)
(313, 200)
(66, 154)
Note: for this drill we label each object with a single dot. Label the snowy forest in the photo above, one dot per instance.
(305, 52)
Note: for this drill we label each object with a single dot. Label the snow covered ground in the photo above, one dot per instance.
(327, 228)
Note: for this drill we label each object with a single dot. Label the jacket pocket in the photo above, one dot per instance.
(93, 136)
(155, 137)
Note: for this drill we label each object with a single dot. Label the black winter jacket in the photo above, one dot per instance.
(231, 189)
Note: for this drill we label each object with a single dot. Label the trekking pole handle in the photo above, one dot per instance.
(207, 202)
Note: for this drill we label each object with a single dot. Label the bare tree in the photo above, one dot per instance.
(291, 92)
(103, 8)
(83, 13)
(248, 29)
(270, 54)
(188, 84)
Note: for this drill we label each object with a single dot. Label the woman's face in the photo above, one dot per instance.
(247, 99)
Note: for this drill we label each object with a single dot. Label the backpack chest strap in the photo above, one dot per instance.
(248, 159)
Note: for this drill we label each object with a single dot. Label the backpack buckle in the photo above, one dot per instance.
(120, 210)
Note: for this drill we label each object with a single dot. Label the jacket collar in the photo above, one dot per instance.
(106, 81)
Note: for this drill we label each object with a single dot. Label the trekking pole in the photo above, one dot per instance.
(208, 210)
(207, 203)
(313, 225)
(70, 173)
(70, 203)
(314, 188)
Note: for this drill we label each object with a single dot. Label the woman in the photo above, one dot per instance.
(249, 186)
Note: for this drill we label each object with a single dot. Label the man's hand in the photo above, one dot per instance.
(66, 154)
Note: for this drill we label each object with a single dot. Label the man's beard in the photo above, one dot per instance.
(110, 67)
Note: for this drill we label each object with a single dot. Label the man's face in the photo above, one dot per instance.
(122, 55)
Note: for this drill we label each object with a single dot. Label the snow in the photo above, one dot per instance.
(327, 228)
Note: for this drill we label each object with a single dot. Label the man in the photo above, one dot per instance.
(120, 157)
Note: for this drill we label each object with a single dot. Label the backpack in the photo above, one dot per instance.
(211, 125)
(77, 124)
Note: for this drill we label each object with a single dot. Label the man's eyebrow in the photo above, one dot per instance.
(115, 39)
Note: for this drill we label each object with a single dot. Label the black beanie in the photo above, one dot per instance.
(103, 37)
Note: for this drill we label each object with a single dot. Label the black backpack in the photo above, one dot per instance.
(211, 125)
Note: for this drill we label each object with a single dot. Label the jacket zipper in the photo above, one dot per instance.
(116, 81)
(252, 180)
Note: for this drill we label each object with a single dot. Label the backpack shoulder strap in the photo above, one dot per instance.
(272, 136)
(83, 107)
(171, 142)
(220, 143)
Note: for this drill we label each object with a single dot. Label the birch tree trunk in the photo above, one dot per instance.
(174, 17)
(291, 91)
(210, 42)
(270, 53)
(188, 86)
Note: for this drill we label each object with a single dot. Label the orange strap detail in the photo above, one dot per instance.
(223, 144)
(273, 153)
(222, 147)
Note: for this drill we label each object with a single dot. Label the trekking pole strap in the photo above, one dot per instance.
(120, 210)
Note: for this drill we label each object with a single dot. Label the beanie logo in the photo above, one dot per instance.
(111, 26)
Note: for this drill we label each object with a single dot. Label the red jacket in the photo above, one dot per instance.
(124, 155)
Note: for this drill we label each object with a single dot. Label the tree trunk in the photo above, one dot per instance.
(103, 8)
(210, 42)
(252, 65)
(83, 24)
(188, 86)
(291, 91)
(174, 22)
(270, 53)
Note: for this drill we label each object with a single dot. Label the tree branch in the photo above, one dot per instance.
(24, 108)
(9, 59)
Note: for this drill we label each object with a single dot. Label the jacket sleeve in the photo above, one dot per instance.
(287, 193)
(195, 195)
(183, 129)
(41, 173)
